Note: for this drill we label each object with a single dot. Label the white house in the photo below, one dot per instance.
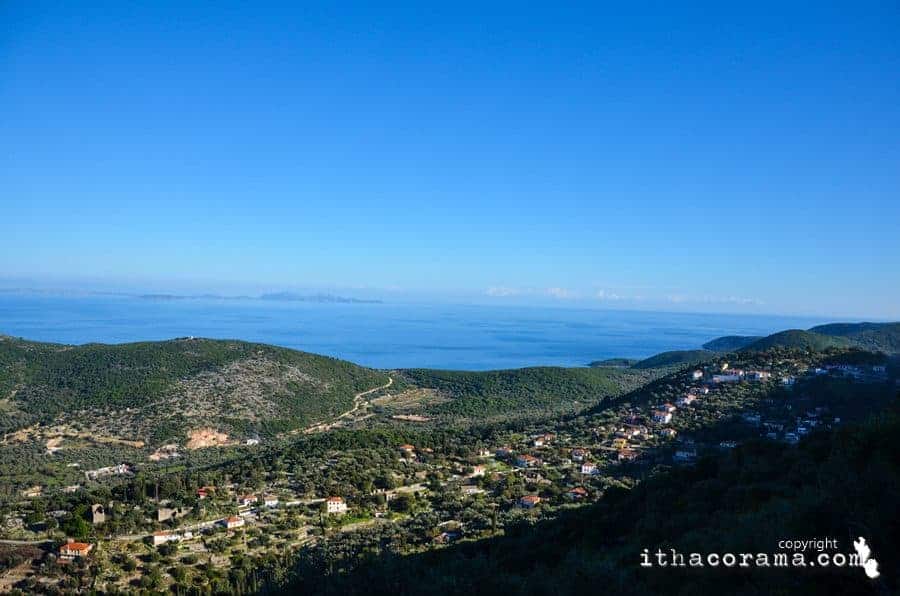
(471, 489)
(234, 522)
(247, 500)
(687, 399)
(335, 505)
(164, 536)
(662, 416)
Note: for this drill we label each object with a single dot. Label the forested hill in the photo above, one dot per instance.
(524, 390)
(874, 337)
(151, 391)
(882, 337)
(675, 358)
(731, 343)
(798, 339)
(841, 484)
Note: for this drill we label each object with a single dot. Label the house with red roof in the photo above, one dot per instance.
(72, 549)
(529, 501)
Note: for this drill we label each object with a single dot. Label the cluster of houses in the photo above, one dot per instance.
(253, 500)
(877, 372)
(734, 375)
(664, 414)
(792, 431)
(625, 443)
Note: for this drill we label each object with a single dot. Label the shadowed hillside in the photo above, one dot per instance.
(841, 484)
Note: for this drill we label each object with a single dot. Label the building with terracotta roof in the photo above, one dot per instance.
(527, 461)
(72, 549)
(578, 493)
(529, 501)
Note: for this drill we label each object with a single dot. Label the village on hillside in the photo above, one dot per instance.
(189, 528)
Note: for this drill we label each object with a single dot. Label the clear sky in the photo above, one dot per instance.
(684, 156)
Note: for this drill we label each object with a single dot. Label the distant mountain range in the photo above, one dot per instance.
(273, 296)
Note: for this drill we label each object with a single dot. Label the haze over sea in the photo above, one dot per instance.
(388, 335)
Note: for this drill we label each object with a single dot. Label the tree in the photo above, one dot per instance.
(76, 526)
(402, 503)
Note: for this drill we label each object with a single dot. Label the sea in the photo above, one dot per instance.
(385, 335)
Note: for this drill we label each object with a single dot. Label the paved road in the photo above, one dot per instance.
(26, 542)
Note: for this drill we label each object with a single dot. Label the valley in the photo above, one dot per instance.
(414, 461)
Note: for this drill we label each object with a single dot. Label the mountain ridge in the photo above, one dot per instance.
(884, 337)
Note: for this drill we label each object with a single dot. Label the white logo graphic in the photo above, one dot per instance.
(869, 565)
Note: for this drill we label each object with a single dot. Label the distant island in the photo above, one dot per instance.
(320, 297)
(291, 297)
(275, 297)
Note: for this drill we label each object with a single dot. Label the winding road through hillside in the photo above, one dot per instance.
(358, 401)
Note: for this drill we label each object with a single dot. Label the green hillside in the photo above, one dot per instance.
(150, 391)
(877, 337)
(615, 362)
(730, 343)
(517, 391)
(798, 339)
(883, 337)
(675, 358)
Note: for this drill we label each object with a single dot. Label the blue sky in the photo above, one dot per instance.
(690, 157)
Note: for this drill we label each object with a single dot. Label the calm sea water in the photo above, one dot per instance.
(385, 335)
